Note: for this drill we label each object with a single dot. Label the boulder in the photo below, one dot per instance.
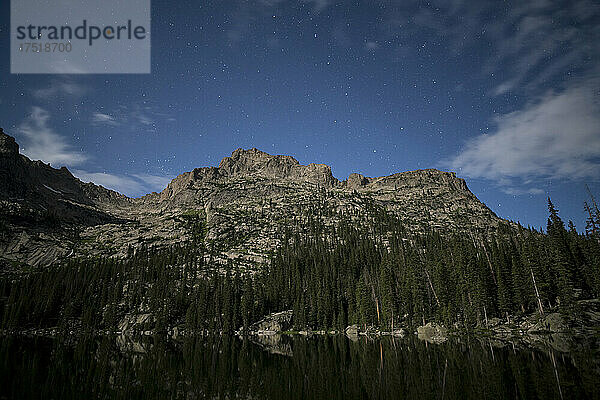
(273, 323)
(553, 322)
(352, 330)
(432, 333)
(136, 322)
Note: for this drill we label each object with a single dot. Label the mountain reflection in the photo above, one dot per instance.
(226, 367)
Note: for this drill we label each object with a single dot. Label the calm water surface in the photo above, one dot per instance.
(290, 368)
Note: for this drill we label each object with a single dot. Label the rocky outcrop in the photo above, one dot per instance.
(273, 323)
(561, 331)
(42, 187)
(352, 330)
(552, 322)
(8, 145)
(137, 322)
(432, 333)
(255, 162)
(357, 181)
(42, 208)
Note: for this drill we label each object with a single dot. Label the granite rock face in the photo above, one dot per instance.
(42, 208)
(432, 333)
(245, 203)
(8, 145)
(273, 323)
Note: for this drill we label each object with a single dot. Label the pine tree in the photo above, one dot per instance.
(561, 255)
(247, 305)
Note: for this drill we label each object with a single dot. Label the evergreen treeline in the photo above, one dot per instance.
(387, 277)
(375, 274)
(173, 285)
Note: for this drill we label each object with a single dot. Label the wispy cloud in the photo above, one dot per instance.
(144, 117)
(154, 182)
(60, 87)
(519, 191)
(103, 119)
(539, 40)
(529, 43)
(40, 142)
(130, 185)
(133, 116)
(555, 137)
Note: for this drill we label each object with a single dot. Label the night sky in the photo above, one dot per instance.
(508, 96)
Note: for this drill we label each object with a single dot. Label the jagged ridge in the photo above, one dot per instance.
(244, 202)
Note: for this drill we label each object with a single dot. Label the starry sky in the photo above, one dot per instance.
(505, 94)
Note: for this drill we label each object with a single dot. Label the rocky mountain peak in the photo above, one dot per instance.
(356, 181)
(8, 145)
(254, 161)
(251, 193)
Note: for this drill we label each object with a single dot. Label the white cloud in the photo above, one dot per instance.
(134, 117)
(142, 118)
(60, 87)
(106, 119)
(154, 182)
(504, 87)
(40, 142)
(130, 185)
(556, 137)
(119, 183)
(518, 191)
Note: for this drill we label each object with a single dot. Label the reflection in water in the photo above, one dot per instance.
(318, 368)
(556, 373)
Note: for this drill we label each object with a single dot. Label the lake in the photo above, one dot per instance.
(291, 367)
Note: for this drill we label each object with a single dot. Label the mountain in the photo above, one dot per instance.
(42, 208)
(240, 207)
(263, 242)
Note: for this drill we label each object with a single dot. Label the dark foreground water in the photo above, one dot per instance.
(290, 368)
